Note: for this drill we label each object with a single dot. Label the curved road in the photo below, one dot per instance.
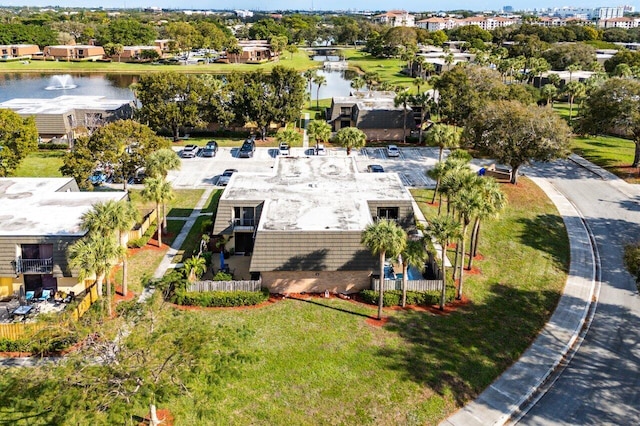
(601, 384)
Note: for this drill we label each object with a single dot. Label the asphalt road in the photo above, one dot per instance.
(601, 384)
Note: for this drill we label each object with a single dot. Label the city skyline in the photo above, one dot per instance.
(375, 5)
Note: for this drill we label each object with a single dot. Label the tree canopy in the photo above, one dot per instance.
(516, 134)
(18, 137)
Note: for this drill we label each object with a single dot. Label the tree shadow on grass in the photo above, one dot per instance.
(335, 308)
(547, 233)
(464, 352)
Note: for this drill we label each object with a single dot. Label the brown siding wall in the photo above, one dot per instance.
(316, 282)
(384, 134)
(8, 252)
(405, 210)
(310, 251)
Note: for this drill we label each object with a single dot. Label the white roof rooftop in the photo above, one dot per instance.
(33, 207)
(61, 104)
(315, 193)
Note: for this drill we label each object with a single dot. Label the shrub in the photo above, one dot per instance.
(206, 226)
(52, 146)
(8, 345)
(220, 298)
(394, 297)
(222, 276)
(632, 260)
(144, 240)
(207, 257)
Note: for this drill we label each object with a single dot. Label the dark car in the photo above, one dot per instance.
(375, 168)
(210, 149)
(247, 149)
(224, 178)
(98, 177)
(189, 151)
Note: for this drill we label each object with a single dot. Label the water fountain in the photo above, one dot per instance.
(61, 82)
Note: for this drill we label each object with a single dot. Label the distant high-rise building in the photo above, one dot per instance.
(507, 9)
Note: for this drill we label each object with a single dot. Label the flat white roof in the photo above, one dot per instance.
(62, 104)
(34, 207)
(316, 193)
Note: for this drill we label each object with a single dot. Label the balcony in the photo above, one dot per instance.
(244, 224)
(34, 266)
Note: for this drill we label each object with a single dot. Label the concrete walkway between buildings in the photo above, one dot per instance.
(511, 392)
(167, 260)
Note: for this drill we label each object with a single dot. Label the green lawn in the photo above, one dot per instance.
(181, 206)
(388, 69)
(212, 203)
(42, 163)
(192, 242)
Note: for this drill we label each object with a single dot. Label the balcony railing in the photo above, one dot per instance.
(34, 266)
(246, 224)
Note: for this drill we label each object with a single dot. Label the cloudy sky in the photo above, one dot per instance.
(411, 5)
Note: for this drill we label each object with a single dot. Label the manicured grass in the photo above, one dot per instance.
(192, 242)
(300, 61)
(212, 203)
(42, 163)
(613, 153)
(388, 69)
(316, 109)
(181, 206)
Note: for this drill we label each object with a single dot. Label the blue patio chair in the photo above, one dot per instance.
(46, 295)
(29, 296)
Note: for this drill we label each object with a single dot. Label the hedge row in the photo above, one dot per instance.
(142, 241)
(394, 297)
(220, 299)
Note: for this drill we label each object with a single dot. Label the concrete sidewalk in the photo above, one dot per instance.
(510, 392)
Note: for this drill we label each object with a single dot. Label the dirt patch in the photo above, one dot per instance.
(164, 415)
(375, 322)
(478, 257)
(473, 271)
(120, 297)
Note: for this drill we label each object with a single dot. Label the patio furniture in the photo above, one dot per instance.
(46, 295)
(22, 311)
(70, 297)
(29, 296)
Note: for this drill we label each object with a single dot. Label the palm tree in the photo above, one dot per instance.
(403, 98)
(384, 237)
(351, 137)
(319, 131)
(425, 102)
(574, 89)
(358, 82)
(95, 255)
(442, 136)
(195, 266)
(160, 191)
(372, 78)
(112, 218)
(309, 76)
(419, 82)
(160, 162)
(428, 68)
(493, 202)
(549, 91)
(320, 80)
(572, 68)
(420, 61)
(413, 254)
(467, 203)
(443, 229)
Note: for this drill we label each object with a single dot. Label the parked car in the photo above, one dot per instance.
(320, 149)
(247, 149)
(284, 148)
(393, 151)
(189, 151)
(98, 177)
(375, 168)
(224, 178)
(210, 149)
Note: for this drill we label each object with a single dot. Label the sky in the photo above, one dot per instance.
(410, 5)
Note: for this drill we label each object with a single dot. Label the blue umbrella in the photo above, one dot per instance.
(221, 259)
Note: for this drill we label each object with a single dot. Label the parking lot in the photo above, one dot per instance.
(201, 172)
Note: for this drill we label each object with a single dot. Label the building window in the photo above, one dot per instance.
(244, 216)
(345, 110)
(388, 213)
(345, 123)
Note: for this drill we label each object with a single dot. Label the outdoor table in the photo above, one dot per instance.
(22, 310)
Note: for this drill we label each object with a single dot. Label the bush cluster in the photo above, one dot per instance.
(52, 146)
(41, 344)
(142, 241)
(632, 260)
(220, 299)
(394, 297)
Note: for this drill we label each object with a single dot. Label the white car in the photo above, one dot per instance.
(393, 151)
(320, 149)
(190, 151)
(284, 148)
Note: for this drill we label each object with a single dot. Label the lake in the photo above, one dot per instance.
(116, 86)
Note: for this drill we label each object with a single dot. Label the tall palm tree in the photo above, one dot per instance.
(574, 89)
(320, 80)
(351, 138)
(413, 254)
(160, 162)
(572, 68)
(384, 237)
(402, 98)
(309, 76)
(443, 229)
(493, 202)
(159, 191)
(467, 202)
(95, 254)
(419, 82)
(425, 102)
(124, 217)
(319, 131)
(442, 136)
(549, 91)
(358, 82)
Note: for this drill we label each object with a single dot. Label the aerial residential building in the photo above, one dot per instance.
(395, 18)
(18, 51)
(74, 52)
(252, 52)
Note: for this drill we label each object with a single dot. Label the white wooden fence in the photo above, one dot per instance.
(249, 285)
(412, 285)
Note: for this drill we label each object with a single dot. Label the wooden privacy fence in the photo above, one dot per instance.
(148, 219)
(412, 285)
(17, 330)
(249, 285)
